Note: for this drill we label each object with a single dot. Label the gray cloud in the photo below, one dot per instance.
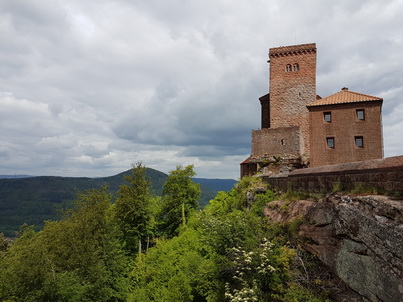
(90, 87)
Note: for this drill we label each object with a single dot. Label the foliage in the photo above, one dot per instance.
(4, 243)
(252, 267)
(180, 194)
(299, 293)
(259, 274)
(75, 259)
(226, 252)
(33, 200)
(294, 195)
(261, 201)
(180, 269)
(133, 208)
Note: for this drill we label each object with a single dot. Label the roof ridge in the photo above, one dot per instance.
(343, 97)
(363, 94)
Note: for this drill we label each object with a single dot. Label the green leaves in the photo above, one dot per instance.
(75, 259)
(176, 270)
(133, 210)
(223, 253)
(180, 195)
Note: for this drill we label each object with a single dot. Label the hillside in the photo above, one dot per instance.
(33, 200)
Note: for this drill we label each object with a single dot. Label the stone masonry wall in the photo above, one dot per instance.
(276, 141)
(384, 175)
(291, 91)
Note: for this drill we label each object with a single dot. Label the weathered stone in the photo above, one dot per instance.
(382, 175)
(359, 237)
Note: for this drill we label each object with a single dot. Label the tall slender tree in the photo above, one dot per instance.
(180, 196)
(133, 208)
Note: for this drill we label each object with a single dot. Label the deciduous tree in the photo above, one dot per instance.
(133, 208)
(180, 197)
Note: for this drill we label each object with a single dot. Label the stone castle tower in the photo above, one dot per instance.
(292, 87)
(284, 132)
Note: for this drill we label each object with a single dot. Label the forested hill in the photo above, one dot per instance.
(33, 200)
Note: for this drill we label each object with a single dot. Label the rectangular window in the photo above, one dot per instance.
(330, 142)
(327, 117)
(359, 141)
(360, 114)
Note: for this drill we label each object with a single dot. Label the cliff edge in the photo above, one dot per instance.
(359, 237)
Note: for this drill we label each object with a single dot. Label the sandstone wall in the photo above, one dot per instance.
(276, 141)
(383, 175)
(292, 89)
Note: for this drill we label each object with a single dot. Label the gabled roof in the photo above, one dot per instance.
(343, 97)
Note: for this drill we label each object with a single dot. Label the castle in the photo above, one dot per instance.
(300, 129)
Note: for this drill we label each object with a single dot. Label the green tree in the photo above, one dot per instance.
(133, 208)
(179, 269)
(75, 259)
(4, 243)
(180, 197)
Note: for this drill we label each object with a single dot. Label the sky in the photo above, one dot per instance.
(89, 88)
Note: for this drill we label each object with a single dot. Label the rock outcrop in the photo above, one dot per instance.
(359, 237)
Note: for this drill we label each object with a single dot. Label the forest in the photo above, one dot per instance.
(35, 199)
(141, 247)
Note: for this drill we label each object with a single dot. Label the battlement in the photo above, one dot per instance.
(292, 50)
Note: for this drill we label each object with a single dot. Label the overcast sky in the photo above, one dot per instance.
(89, 87)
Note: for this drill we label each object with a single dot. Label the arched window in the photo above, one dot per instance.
(296, 67)
(288, 68)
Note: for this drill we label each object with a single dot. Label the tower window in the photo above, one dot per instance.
(330, 142)
(359, 141)
(360, 114)
(288, 68)
(296, 67)
(327, 117)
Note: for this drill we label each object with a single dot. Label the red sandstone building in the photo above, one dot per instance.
(300, 129)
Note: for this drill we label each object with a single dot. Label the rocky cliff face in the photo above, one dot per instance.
(359, 237)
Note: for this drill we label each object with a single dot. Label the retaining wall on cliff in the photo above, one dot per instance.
(383, 175)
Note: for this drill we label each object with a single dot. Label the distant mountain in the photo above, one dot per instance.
(32, 200)
(15, 176)
(210, 187)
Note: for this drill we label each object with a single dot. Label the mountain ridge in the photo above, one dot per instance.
(34, 199)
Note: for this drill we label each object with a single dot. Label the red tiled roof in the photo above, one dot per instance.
(343, 97)
(246, 161)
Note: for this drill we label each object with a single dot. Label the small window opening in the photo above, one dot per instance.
(330, 142)
(282, 142)
(327, 117)
(360, 113)
(296, 67)
(359, 141)
(288, 68)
